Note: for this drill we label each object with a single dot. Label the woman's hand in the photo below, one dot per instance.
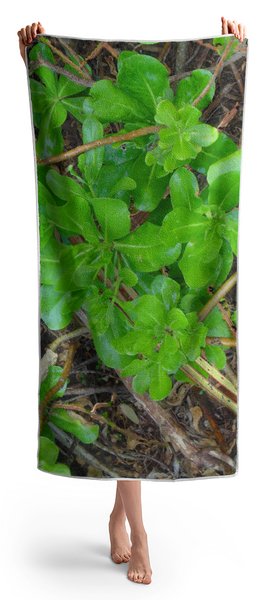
(233, 27)
(27, 35)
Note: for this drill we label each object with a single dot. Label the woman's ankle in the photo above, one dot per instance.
(117, 516)
(138, 535)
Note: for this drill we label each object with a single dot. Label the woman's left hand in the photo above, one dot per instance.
(233, 27)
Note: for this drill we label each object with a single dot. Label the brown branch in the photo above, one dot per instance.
(73, 53)
(217, 70)
(34, 64)
(63, 56)
(123, 137)
(223, 290)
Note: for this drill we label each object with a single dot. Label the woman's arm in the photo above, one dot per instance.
(27, 35)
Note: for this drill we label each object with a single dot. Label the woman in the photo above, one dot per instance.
(128, 493)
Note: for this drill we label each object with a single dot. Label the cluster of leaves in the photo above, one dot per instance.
(192, 233)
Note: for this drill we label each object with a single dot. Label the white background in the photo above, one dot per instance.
(208, 538)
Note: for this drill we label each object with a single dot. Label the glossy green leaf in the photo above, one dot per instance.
(161, 383)
(216, 356)
(150, 310)
(145, 250)
(226, 164)
(196, 272)
(182, 225)
(86, 432)
(221, 148)
(48, 451)
(90, 162)
(113, 104)
(145, 78)
(113, 217)
(189, 88)
(184, 190)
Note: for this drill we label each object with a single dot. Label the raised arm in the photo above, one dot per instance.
(27, 35)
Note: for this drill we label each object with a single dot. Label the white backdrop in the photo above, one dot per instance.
(207, 538)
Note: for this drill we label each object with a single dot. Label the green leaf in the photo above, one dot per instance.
(161, 383)
(57, 308)
(216, 355)
(184, 190)
(149, 188)
(133, 342)
(113, 105)
(144, 249)
(49, 261)
(231, 229)
(90, 162)
(84, 431)
(113, 217)
(166, 114)
(182, 225)
(141, 382)
(67, 87)
(128, 277)
(104, 343)
(50, 142)
(145, 78)
(170, 291)
(221, 148)
(190, 88)
(136, 366)
(229, 163)
(48, 451)
(63, 186)
(150, 310)
(41, 97)
(176, 320)
(48, 77)
(224, 191)
(169, 346)
(196, 272)
(58, 468)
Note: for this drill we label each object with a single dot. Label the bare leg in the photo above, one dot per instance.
(120, 543)
(139, 566)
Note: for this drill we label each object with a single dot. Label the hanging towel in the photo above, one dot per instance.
(137, 149)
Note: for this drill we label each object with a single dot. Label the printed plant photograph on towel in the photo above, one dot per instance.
(138, 163)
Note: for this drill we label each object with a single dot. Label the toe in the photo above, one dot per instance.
(147, 578)
(116, 558)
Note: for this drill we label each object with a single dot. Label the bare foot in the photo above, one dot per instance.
(120, 543)
(139, 566)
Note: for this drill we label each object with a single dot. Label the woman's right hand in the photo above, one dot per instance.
(27, 35)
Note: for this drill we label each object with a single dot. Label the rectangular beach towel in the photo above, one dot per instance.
(137, 149)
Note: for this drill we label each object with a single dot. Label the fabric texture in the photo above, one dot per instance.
(137, 149)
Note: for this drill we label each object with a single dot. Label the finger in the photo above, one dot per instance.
(28, 32)
(230, 26)
(34, 28)
(41, 29)
(224, 26)
(19, 33)
(236, 29)
(24, 35)
(241, 31)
